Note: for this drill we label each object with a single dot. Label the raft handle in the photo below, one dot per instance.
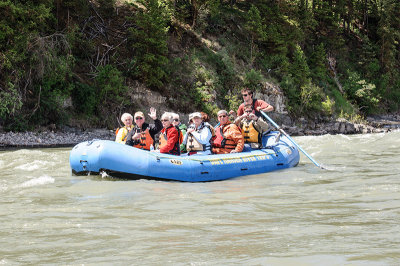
(243, 169)
(203, 173)
(279, 164)
(84, 164)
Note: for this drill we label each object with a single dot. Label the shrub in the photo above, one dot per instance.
(328, 106)
(110, 85)
(361, 92)
(253, 79)
(342, 105)
(84, 98)
(10, 101)
(311, 97)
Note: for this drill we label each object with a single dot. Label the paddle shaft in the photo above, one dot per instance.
(290, 138)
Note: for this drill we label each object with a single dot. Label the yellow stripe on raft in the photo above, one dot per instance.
(247, 158)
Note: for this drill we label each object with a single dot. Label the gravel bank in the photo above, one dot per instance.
(50, 139)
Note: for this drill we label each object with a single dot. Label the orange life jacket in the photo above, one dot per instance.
(145, 141)
(180, 137)
(221, 142)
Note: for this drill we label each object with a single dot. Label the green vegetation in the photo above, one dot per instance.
(68, 59)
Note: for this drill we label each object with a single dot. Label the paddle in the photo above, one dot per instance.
(287, 135)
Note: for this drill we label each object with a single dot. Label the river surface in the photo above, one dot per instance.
(346, 215)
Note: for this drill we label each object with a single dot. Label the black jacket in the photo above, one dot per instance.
(153, 130)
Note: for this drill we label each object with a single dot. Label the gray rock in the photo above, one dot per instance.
(342, 128)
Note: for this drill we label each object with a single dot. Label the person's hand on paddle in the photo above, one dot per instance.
(232, 113)
(190, 130)
(153, 113)
(233, 151)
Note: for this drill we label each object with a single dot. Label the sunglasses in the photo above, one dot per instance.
(222, 116)
(244, 95)
(164, 120)
(175, 119)
(138, 118)
(248, 111)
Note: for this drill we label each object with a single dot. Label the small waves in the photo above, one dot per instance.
(39, 181)
(32, 165)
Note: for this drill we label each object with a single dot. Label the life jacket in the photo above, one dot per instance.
(194, 145)
(164, 139)
(145, 141)
(180, 136)
(125, 131)
(221, 142)
(250, 134)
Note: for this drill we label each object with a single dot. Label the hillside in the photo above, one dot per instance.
(84, 63)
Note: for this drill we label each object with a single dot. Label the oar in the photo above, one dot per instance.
(292, 140)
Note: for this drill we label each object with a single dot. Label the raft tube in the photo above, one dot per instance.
(123, 161)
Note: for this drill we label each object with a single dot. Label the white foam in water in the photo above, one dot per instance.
(104, 175)
(3, 187)
(31, 166)
(38, 181)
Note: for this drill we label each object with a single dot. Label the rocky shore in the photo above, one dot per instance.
(68, 136)
(377, 124)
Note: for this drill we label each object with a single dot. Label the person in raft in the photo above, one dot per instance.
(182, 127)
(122, 133)
(142, 135)
(252, 127)
(257, 105)
(169, 137)
(198, 136)
(228, 138)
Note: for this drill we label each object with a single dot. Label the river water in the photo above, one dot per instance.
(348, 214)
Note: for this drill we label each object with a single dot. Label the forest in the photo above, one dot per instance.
(68, 60)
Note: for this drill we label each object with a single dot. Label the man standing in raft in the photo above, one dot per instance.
(228, 138)
(258, 105)
(142, 135)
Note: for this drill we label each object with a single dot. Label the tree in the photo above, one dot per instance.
(255, 27)
(149, 42)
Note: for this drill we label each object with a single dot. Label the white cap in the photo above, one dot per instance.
(193, 115)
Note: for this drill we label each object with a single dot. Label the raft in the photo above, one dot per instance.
(123, 161)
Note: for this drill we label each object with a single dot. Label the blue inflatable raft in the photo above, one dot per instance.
(122, 161)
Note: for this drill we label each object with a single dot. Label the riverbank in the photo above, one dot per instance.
(68, 137)
(375, 124)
